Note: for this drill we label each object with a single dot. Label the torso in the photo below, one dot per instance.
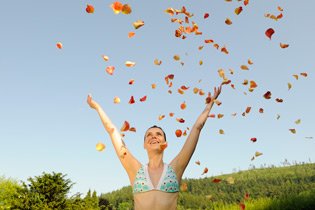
(156, 189)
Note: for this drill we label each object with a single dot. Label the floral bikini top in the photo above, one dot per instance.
(168, 181)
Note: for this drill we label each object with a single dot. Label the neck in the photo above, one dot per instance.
(155, 160)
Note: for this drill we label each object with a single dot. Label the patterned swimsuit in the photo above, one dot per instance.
(167, 183)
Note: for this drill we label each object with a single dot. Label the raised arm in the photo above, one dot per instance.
(181, 161)
(130, 163)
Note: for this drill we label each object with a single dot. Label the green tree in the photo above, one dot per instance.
(45, 192)
(8, 190)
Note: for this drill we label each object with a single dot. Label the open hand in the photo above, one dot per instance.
(93, 104)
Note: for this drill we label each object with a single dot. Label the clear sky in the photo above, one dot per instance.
(46, 124)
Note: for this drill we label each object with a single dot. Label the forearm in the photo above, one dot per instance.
(201, 120)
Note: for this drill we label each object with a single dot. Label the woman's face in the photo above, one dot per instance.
(153, 138)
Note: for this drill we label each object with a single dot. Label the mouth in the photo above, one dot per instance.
(154, 142)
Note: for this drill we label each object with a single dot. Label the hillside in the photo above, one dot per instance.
(289, 187)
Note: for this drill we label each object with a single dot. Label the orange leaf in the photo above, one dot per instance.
(238, 10)
(116, 7)
(183, 87)
(246, 2)
(157, 62)
(183, 187)
(250, 62)
(131, 82)
(212, 115)
(252, 84)
(284, 45)
(161, 117)
(125, 127)
(269, 32)
(224, 50)
(244, 67)
(228, 21)
(130, 64)
(131, 100)
(220, 116)
(304, 74)
(110, 70)
(59, 45)
(180, 91)
(153, 86)
(242, 206)
(176, 57)
(105, 58)
(171, 114)
(208, 41)
(126, 9)
(245, 82)
(178, 133)
(198, 162)
(183, 105)
(132, 129)
(261, 110)
(89, 8)
(248, 109)
(131, 34)
(163, 146)
(280, 9)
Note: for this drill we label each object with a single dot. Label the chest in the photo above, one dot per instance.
(155, 175)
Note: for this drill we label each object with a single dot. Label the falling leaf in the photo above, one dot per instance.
(246, 2)
(131, 100)
(180, 120)
(238, 10)
(153, 86)
(116, 7)
(289, 85)
(144, 98)
(248, 109)
(157, 62)
(131, 82)
(267, 95)
(244, 67)
(100, 146)
(116, 100)
(261, 110)
(178, 133)
(224, 50)
(250, 62)
(245, 82)
(89, 8)
(137, 24)
(198, 162)
(132, 129)
(252, 84)
(110, 70)
(125, 126)
(200, 47)
(298, 121)
(126, 9)
(220, 116)
(200, 62)
(279, 100)
(280, 8)
(130, 64)
(183, 105)
(216, 180)
(296, 76)
(163, 146)
(253, 139)
(59, 45)
(228, 21)
(176, 57)
(230, 180)
(221, 131)
(304, 74)
(278, 116)
(206, 15)
(269, 32)
(284, 45)
(131, 34)
(292, 130)
(105, 57)
(257, 154)
(183, 187)
(170, 11)
(161, 117)
(208, 41)
(205, 170)
(212, 115)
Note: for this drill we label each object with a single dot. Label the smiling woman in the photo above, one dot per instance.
(156, 184)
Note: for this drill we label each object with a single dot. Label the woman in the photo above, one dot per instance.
(155, 185)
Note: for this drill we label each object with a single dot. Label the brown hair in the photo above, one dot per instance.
(155, 126)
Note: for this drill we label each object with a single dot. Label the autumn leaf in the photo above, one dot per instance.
(180, 120)
(221, 131)
(130, 64)
(163, 146)
(144, 98)
(269, 32)
(100, 146)
(289, 85)
(157, 62)
(126, 9)
(161, 117)
(206, 15)
(137, 24)
(257, 154)
(238, 10)
(116, 100)
(132, 129)
(261, 110)
(105, 57)
(197, 162)
(216, 180)
(292, 130)
(279, 100)
(59, 45)
(89, 8)
(220, 116)
(183, 105)
(131, 82)
(298, 121)
(228, 21)
(183, 187)
(246, 2)
(304, 74)
(244, 67)
(178, 133)
(110, 70)
(176, 57)
(131, 100)
(267, 95)
(205, 170)
(252, 84)
(125, 126)
(153, 86)
(116, 7)
(131, 34)
(283, 45)
(253, 139)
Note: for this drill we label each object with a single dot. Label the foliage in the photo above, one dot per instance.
(8, 190)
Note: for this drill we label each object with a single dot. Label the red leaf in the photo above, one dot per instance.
(144, 98)
(206, 15)
(269, 32)
(131, 100)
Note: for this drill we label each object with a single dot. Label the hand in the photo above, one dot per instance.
(216, 92)
(93, 104)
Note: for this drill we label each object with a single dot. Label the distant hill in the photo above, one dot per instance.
(279, 188)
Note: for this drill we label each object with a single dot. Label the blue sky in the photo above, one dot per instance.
(46, 124)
